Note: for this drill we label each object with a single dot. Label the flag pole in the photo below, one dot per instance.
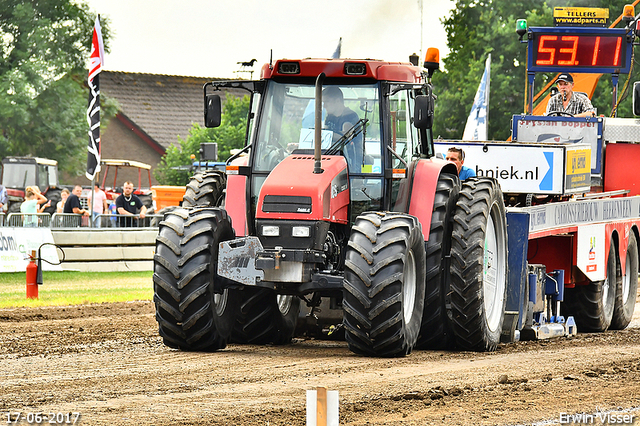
(96, 61)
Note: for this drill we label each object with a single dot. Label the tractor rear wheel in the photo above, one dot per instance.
(190, 315)
(266, 317)
(626, 288)
(384, 284)
(479, 267)
(436, 331)
(592, 305)
(205, 189)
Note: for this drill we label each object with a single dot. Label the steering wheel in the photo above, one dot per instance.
(272, 158)
(560, 114)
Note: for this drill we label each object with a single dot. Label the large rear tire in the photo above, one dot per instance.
(205, 189)
(436, 331)
(384, 284)
(592, 305)
(479, 267)
(626, 288)
(190, 315)
(266, 317)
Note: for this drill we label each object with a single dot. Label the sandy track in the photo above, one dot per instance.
(108, 363)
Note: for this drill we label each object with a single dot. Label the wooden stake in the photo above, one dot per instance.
(321, 406)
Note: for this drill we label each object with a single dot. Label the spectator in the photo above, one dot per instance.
(128, 204)
(31, 205)
(4, 200)
(72, 205)
(456, 156)
(63, 197)
(100, 204)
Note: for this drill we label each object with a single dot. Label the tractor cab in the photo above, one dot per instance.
(366, 117)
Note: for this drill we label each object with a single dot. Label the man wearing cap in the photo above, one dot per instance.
(568, 101)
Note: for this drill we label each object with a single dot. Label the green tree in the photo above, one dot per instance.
(476, 28)
(44, 47)
(174, 165)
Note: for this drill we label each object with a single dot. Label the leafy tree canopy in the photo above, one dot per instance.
(174, 165)
(44, 46)
(476, 28)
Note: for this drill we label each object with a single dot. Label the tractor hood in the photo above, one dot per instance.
(292, 191)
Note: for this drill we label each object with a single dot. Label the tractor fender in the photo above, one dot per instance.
(236, 201)
(422, 182)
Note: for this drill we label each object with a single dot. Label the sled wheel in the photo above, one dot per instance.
(190, 315)
(626, 288)
(205, 189)
(592, 305)
(479, 267)
(436, 331)
(266, 317)
(384, 284)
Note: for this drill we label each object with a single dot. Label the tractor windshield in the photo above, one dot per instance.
(18, 175)
(350, 125)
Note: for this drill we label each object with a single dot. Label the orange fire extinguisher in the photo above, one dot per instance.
(32, 277)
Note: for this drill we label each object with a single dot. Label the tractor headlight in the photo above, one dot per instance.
(270, 231)
(300, 231)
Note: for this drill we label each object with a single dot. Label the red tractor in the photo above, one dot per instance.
(358, 219)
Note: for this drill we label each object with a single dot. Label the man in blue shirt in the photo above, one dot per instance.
(456, 156)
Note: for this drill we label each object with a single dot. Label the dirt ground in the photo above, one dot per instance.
(108, 363)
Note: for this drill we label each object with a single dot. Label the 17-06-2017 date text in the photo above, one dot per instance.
(15, 417)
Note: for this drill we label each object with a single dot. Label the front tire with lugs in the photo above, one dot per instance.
(479, 267)
(190, 315)
(384, 284)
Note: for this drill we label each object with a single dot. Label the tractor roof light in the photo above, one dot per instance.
(521, 27)
(628, 13)
(289, 68)
(353, 68)
(432, 60)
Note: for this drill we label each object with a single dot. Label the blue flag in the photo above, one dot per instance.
(476, 128)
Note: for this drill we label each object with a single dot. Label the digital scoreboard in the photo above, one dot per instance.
(571, 49)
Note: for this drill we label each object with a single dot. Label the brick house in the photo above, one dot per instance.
(153, 110)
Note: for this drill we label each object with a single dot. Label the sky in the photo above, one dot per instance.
(207, 38)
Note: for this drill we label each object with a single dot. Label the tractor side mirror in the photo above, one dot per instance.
(423, 114)
(212, 111)
(636, 98)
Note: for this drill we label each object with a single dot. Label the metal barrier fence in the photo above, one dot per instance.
(72, 220)
(29, 220)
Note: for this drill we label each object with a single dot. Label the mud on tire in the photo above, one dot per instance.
(205, 189)
(190, 315)
(479, 267)
(265, 317)
(436, 330)
(384, 284)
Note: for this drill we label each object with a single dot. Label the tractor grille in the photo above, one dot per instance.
(286, 204)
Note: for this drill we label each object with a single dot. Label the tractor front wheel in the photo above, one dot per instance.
(190, 314)
(384, 284)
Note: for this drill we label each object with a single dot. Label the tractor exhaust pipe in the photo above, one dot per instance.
(317, 143)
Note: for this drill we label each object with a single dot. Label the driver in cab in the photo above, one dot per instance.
(339, 120)
(568, 102)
